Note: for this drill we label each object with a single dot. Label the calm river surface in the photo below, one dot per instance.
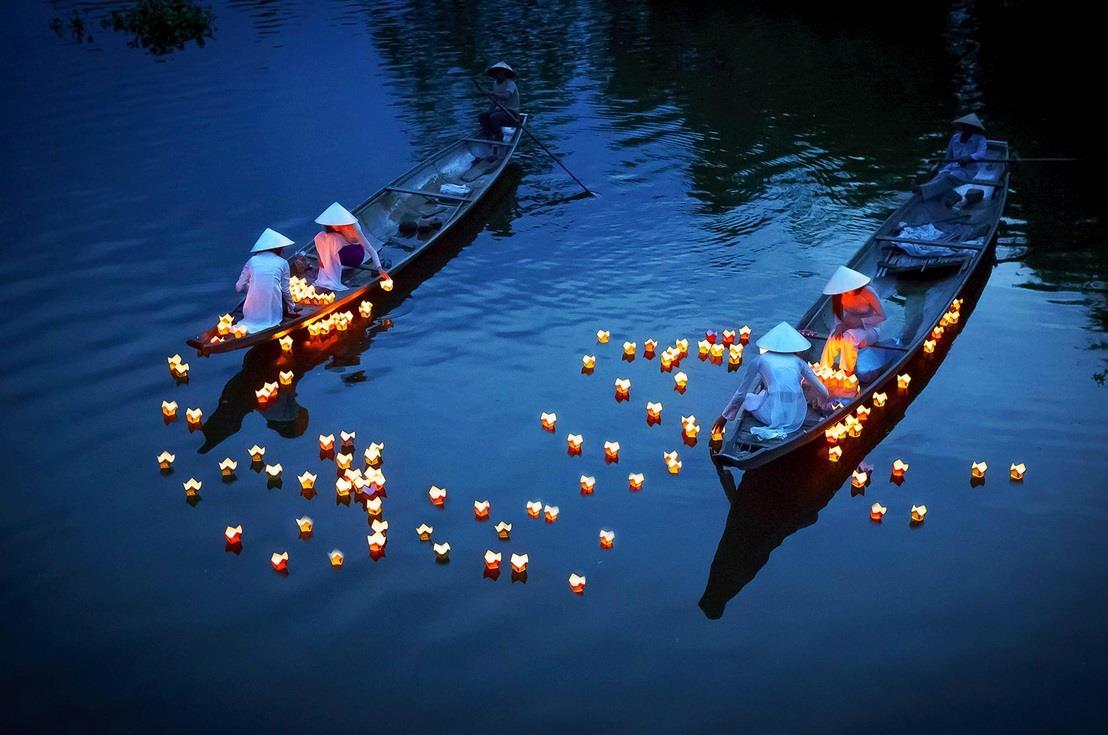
(741, 156)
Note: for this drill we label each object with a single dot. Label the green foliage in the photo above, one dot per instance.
(162, 26)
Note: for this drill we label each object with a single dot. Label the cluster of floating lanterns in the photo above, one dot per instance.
(336, 321)
(305, 293)
(178, 369)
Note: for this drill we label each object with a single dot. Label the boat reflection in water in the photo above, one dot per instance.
(773, 502)
(284, 414)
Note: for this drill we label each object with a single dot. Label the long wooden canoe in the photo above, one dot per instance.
(915, 300)
(440, 190)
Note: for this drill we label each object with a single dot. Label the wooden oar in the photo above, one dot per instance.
(531, 135)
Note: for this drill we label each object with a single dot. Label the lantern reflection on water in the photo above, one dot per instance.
(534, 508)
(607, 539)
(1016, 471)
(548, 420)
(437, 495)
(336, 557)
(424, 532)
(165, 460)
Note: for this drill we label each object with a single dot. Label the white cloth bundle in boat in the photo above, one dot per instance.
(265, 278)
(458, 190)
(776, 388)
(927, 232)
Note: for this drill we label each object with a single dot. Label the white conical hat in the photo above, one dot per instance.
(845, 279)
(783, 338)
(270, 240)
(972, 120)
(502, 65)
(336, 215)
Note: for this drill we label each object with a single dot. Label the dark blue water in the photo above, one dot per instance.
(741, 156)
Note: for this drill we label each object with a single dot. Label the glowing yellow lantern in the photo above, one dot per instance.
(239, 330)
(165, 460)
(853, 427)
(326, 442)
(1016, 471)
(735, 355)
(574, 441)
(194, 416)
(588, 362)
(978, 469)
(504, 530)
(192, 487)
(635, 480)
(715, 353)
(653, 411)
(673, 464)
(956, 305)
(607, 539)
(588, 484)
(929, 346)
(834, 453)
(728, 337)
(550, 512)
(718, 433)
(877, 512)
(280, 561)
(534, 508)
(180, 370)
(492, 559)
(832, 434)
(611, 451)
(343, 486)
(902, 381)
(680, 380)
(227, 467)
(602, 336)
(286, 343)
(919, 512)
(347, 438)
(285, 376)
(480, 509)
(667, 359)
(379, 526)
(375, 479)
(386, 284)
(307, 480)
(629, 349)
(863, 413)
(937, 333)
(879, 399)
(548, 420)
(859, 478)
(305, 524)
(703, 348)
(424, 531)
(262, 394)
(226, 322)
(519, 563)
(682, 347)
(336, 557)
(169, 409)
(257, 453)
(437, 495)
(273, 471)
(577, 583)
(365, 309)
(744, 334)
(623, 388)
(689, 427)
(442, 552)
(233, 534)
(343, 460)
(373, 452)
(376, 542)
(648, 348)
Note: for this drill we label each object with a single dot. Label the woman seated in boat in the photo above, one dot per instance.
(504, 92)
(342, 244)
(858, 314)
(967, 146)
(265, 278)
(777, 386)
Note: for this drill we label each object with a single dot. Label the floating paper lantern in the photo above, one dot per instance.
(534, 508)
(179, 370)
(744, 334)
(347, 438)
(374, 507)
(710, 337)
(379, 526)
(879, 399)
(611, 451)
(442, 551)
(305, 524)
(588, 362)
(386, 284)
(859, 478)
(437, 495)
(735, 355)
(194, 416)
(343, 486)
(227, 467)
(504, 530)
(703, 347)
(680, 380)
(226, 321)
(169, 409)
(280, 561)
(549, 420)
(682, 347)
(629, 349)
(577, 583)
(326, 442)
(863, 413)
(648, 348)
(588, 483)
(929, 346)
(718, 433)
(233, 534)
(978, 469)
(653, 411)
(574, 441)
(376, 542)
(666, 360)
(635, 480)
(607, 539)
(623, 388)
(424, 532)
(365, 309)
(833, 434)
(937, 333)
(728, 337)
(257, 453)
(273, 471)
(307, 480)
(673, 465)
(239, 330)
(343, 460)
(336, 557)
(165, 460)
(834, 453)
(1016, 471)
(550, 512)
(853, 427)
(715, 353)
(492, 559)
(902, 381)
(286, 343)
(375, 479)
(919, 512)
(877, 512)
(602, 336)
(192, 487)
(285, 377)
(899, 468)
(689, 427)
(373, 454)
(480, 509)
(519, 563)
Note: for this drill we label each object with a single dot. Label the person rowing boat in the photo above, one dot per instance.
(858, 314)
(265, 278)
(968, 146)
(342, 243)
(776, 386)
(505, 92)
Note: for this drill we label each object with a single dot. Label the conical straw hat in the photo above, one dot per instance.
(972, 120)
(336, 215)
(845, 279)
(783, 338)
(270, 240)
(501, 65)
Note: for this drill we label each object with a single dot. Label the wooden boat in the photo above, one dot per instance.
(410, 215)
(916, 291)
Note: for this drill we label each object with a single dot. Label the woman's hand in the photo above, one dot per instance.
(384, 274)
